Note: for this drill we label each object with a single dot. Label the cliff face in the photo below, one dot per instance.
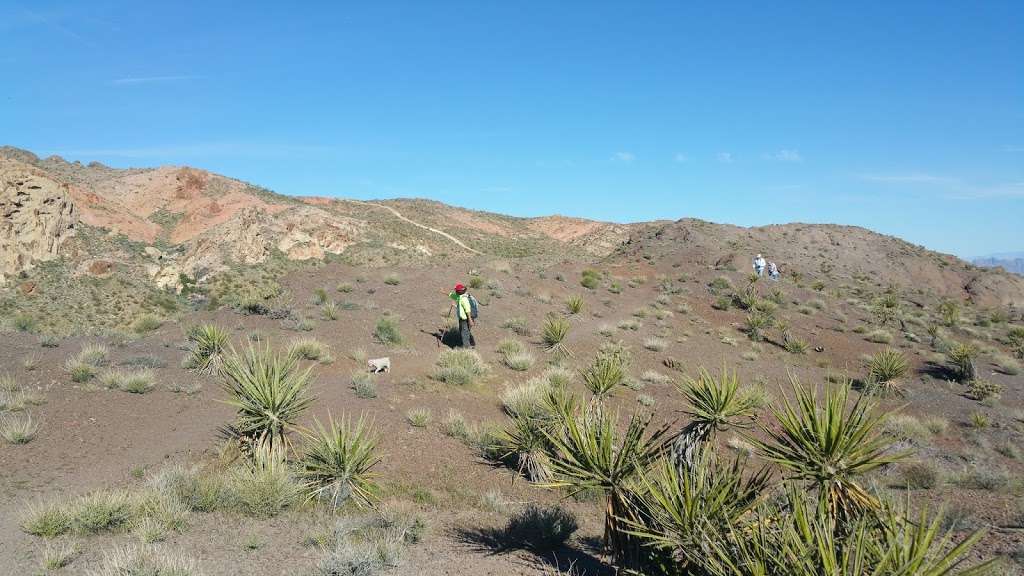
(36, 217)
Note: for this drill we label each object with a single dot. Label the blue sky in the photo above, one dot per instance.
(904, 117)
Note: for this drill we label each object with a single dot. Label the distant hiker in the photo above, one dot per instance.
(467, 311)
(773, 271)
(759, 265)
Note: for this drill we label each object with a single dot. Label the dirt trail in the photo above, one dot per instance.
(417, 224)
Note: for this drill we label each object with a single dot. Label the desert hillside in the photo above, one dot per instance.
(143, 309)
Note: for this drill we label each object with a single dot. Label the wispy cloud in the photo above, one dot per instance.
(199, 149)
(152, 79)
(1007, 190)
(725, 157)
(908, 178)
(626, 157)
(680, 158)
(785, 155)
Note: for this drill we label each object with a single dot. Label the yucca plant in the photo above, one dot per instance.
(885, 370)
(268, 390)
(589, 454)
(679, 513)
(338, 462)
(554, 333)
(523, 444)
(607, 372)
(207, 346)
(574, 304)
(757, 323)
(715, 404)
(799, 538)
(949, 310)
(961, 358)
(829, 446)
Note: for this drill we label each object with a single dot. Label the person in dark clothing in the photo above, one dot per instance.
(464, 313)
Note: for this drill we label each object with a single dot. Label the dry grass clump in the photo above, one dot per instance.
(879, 336)
(540, 529)
(655, 344)
(518, 325)
(133, 381)
(146, 323)
(514, 355)
(367, 545)
(364, 384)
(1006, 364)
(459, 367)
(919, 476)
(18, 428)
(418, 417)
(525, 399)
(82, 367)
(146, 561)
(309, 349)
(905, 427)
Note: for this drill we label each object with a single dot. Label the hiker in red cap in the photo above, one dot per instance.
(467, 311)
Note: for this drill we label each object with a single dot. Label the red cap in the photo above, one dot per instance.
(459, 288)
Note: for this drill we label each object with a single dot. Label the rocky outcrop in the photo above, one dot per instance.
(36, 217)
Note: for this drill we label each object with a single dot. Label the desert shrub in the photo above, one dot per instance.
(574, 304)
(308, 349)
(633, 325)
(525, 399)
(796, 346)
(57, 556)
(24, 323)
(146, 323)
(207, 346)
(722, 302)
(919, 476)
(540, 529)
(345, 288)
(590, 279)
(364, 384)
(339, 459)
(555, 331)
(756, 324)
(268, 390)
(418, 417)
(264, 484)
(1006, 365)
(197, 491)
(879, 337)
(101, 511)
(949, 311)
(459, 367)
(46, 519)
(905, 427)
(655, 344)
(387, 331)
(138, 381)
(983, 478)
(454, 425)
(330, 310)
(978, 420)
(18, 428)
(961, 358)
(981, 390)
(720, 284)
(517, 325)
(476, 281)
(145, 561)
(392, 280)
(519, 361)
(936, 424)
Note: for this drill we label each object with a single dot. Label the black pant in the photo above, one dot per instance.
(467, 336)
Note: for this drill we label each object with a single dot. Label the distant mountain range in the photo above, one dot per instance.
(1010, 261)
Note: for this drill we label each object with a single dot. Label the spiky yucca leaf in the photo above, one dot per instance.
(714, 404)
(524, 445)
(829, 446)
(961, 356)
(606, 373)
(268, 390)
(885, 369)
(589, 454)
(339, 459)
(554, 333)
(207, 345)
(679, 513)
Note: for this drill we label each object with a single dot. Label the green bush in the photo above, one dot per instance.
(387, 331)
(459, 367)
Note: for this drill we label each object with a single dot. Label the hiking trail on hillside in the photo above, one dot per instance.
(417, 224)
